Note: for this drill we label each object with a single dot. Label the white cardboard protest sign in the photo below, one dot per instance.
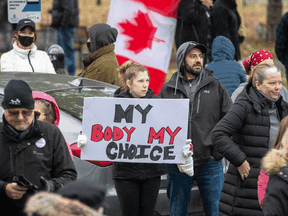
(135, 130)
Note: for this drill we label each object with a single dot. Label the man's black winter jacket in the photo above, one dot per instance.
(211, 103)
(42, 152)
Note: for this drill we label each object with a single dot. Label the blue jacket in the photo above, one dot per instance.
(228, 72)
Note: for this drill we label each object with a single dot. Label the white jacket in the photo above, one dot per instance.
(19, 60)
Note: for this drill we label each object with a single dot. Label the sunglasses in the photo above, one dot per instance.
(25, 113)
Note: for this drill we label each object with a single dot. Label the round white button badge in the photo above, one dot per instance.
(40, 143)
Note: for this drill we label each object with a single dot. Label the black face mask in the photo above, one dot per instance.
(25, 40)
(89, 46)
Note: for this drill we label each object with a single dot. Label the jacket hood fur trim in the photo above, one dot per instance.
(274, 161)
(44, 203)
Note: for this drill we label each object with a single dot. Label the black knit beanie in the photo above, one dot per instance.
(18, 94)
(88, 192)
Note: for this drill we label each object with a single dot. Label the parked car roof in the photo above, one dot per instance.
(68, 91)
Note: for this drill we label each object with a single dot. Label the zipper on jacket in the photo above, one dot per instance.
(198, 104)
(11, 161)
(29, 54)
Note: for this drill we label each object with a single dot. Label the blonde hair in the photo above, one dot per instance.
(259, 73)
(128, 71)
(14, 39)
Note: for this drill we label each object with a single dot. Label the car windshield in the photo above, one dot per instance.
(71, 100)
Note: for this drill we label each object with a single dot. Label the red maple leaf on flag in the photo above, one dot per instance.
(141, 33)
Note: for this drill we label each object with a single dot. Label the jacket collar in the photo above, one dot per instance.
(16, 135)
(24, 53)
(98, 53)
(258, 100)
(127, 94)
(175, 83)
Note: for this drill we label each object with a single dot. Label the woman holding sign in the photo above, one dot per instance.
(137, 184)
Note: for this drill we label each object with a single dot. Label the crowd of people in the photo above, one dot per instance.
(238, 111)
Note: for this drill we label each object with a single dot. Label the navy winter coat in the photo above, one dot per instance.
(228, 72)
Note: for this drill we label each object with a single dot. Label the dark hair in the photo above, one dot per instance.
(128, 71)
(48, 109)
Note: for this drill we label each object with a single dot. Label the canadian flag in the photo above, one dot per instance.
(146, 30)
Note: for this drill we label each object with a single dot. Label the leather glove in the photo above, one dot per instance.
(22, 181)
(188, 167)
(49, 185)
(82, 140)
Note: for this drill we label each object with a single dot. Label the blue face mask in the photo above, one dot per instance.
(25, 40)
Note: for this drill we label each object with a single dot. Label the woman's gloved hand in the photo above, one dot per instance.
(187, 151)
(82, 140)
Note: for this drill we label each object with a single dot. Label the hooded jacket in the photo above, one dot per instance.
(20, 60)
(226, 22)
(243, 134)
(276, 199)
(49, 204)
(228, 72)
(42, 95)
(102, 63)
(42, 152)
(138, 171)
(211, 102)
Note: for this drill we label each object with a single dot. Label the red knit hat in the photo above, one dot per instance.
(257, 57)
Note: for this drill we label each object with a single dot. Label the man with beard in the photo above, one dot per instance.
(34, 155)
(209, 102)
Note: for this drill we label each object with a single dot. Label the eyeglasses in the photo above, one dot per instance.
(25, 113)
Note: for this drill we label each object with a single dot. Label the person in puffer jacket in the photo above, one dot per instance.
(275, 163)
(47, 110)
(24, 57)
(244, 135)
(228, 72)
(278, 144)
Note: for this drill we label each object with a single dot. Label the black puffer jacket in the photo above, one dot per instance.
(65, 13)
(42, 152)
(137, 170)
(226, 21)
(248, 122)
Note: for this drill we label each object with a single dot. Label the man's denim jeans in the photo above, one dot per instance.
(210, 179)
(65, 40)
